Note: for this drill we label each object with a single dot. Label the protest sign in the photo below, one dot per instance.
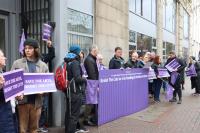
(35, 83)
(92, 91)
(163, 73)
(151, 74)
(14, 84)
(173, 65)
(191, 72)
(46, 32)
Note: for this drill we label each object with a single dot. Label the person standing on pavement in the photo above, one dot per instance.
(47, 58)
(6, 116)
(90, 64)
(29, 107)
(177, 84)
(75, 90)
(117, 61)
(133, 62)
(195, 81)
(157, 82)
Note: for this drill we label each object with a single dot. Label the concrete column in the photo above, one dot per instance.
(159, 33)
(179, 29)
(111, 27)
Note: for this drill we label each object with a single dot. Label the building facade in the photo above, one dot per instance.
(143, 25)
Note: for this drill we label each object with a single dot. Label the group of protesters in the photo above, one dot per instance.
(31, 109)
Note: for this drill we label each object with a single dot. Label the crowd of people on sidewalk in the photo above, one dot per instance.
(30, 113)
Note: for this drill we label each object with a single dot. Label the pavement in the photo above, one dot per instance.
(161, 117)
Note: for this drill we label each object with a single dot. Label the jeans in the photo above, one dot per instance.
(43, 117)
(6, 119)
(157, 84)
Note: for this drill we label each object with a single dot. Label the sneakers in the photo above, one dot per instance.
(82, 130)
(43, 130)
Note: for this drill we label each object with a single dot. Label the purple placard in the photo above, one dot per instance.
(173, 65)
(151, 74)
(174, 76)
(121, 92)
(14, 84)
(46, 32)
(191, 72)
(169, 92)
(35, 83)
(92, 91)
(163, 73)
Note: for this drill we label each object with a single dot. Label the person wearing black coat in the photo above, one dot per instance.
(177, 84)
(195, 81)
(133, 62)
(75, 90)
(117, 61)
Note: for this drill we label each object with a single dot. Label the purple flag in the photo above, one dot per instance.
(162, 73)
(169, 92)
(21, 45)
(173, 65)
(84, 70)
(35, 83)
(174, 76)
(46, 32)
(191, 72)
(92, 92)
(14, 84)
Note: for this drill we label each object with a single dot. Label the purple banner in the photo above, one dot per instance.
(35, 83)
(121, 92)
(46, 32)
(169, 92)
(14, 84)
(92, 92)
(173, 65)
(191, 72)
(151, 74)
(162, 73)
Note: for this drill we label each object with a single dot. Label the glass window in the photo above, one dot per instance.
(185, 53)
(83, 41)
(79, 22)
(186, 24)
(131, 36)
(144, 43)
(139, 7)
(164, 14)
(169, 47)
(146, 8)
(153, 11)
(132, 5)
(169, 14)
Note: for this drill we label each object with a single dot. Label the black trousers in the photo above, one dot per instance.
(72, 112)
(177, 88)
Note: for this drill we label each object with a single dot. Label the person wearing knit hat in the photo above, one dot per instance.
(77, 89)
(29, 106)
(75, 49)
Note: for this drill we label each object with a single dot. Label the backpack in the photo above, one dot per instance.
(61, 77)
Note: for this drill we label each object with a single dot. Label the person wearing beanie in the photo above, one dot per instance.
(29, 107)
(75, 90)
(195, 80)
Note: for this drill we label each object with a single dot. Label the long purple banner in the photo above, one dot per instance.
(14, 84)
(35, 83)
(121, 92)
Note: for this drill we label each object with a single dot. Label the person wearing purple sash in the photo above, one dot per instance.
(195, 80)
(177, 84)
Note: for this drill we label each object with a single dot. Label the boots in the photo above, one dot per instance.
(173, 100)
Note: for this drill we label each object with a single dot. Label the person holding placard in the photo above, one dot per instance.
(7, 124)
(29, 106)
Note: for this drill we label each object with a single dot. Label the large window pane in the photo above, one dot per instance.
(164, 14)
(146, 8)
(132, 5)
(83, 41)
(169, 18)
(154, 11)
(131, 36)
(138, 7)
(186, 24)
(144, 43)
(79, 22)
(169, 47)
